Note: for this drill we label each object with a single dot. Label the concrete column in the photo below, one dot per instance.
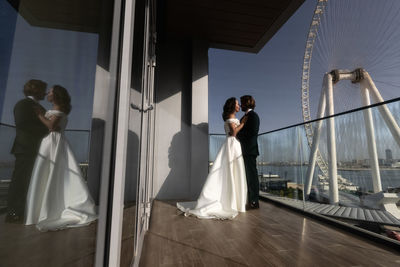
(172, 143)
(199, 117)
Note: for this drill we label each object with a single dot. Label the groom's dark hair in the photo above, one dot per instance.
(248, 101)
(34, 87)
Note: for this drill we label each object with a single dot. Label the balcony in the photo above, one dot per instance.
(270, 236)
(286, 178)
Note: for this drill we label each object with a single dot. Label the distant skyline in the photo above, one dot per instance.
(272, 76)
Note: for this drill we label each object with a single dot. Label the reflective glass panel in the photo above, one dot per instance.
(54, 60)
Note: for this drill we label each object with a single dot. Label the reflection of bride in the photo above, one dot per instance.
(58, 196)
(224, 193)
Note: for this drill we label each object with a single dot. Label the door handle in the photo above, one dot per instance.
(133, 106)
(148, 108)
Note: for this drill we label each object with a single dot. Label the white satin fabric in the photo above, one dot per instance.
(224, 193)
(58, 196)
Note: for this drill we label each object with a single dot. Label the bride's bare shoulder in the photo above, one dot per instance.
(231, 120)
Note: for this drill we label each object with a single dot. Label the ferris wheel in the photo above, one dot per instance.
(349, 40)
(305, 80)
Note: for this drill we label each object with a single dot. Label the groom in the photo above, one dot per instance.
(29, 134)
(248, 140)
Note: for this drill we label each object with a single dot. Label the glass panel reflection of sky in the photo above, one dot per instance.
(55, 56)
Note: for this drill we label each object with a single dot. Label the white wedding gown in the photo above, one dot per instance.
(224, 193)
(58, 196)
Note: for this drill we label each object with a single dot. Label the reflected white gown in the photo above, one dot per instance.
(224, 193)
(58, 196)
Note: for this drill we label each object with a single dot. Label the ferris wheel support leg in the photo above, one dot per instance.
(369, 127)
(383, 109)
(333, 182)
(315, 141)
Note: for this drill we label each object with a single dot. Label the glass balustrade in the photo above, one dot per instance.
(361, 189)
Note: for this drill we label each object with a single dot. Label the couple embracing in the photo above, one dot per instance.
(232, 183)
(47, 188)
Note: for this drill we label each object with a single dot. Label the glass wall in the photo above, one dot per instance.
(357, 182)
(282, 173)
(366, 196)
(215, 142)
(54, 61)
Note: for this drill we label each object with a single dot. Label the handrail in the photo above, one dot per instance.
(327, 117)
(334, 115)
(217, 134)
(87, 137)
(67, 130)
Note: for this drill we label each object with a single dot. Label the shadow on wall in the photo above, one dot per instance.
(177, 185)
(199, 158)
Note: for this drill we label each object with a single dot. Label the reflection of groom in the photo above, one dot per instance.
(248, 139)
(29, 134)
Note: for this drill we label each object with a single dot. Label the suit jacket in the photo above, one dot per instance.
(29, 129)
(249, 133)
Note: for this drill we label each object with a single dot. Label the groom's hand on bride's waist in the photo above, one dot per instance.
(56, 129)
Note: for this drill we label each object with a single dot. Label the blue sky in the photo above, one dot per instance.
(55, 56)
(67, 58)
(272, 76)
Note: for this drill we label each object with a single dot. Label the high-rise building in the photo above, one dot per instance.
(389, 155)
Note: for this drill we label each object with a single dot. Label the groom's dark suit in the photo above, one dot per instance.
(248, 140)
(29, 134)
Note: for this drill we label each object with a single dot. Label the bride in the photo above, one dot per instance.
(224, 193)
(57, 196)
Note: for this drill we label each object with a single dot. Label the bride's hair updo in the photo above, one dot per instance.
(62, 98)
(229, 108)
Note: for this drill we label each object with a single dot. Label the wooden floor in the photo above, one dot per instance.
(22, 245)
(270, 236)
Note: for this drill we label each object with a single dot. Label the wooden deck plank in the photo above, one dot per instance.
(344, 212)
(270, 236)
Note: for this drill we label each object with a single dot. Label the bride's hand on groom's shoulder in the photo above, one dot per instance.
(244, 119)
